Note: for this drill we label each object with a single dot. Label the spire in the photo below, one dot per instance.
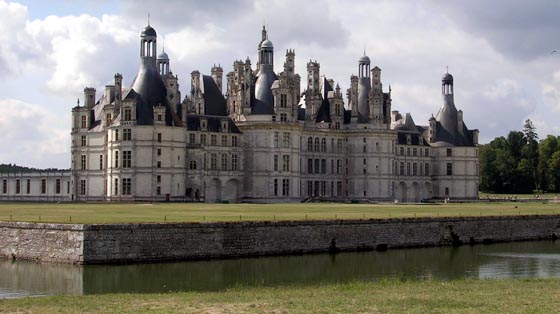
(148, 18)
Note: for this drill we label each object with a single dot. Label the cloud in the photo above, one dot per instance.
(32, 136)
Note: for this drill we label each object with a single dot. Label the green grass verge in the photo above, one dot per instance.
(463, 296)
(197, 212)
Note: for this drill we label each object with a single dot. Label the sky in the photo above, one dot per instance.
(499, 52)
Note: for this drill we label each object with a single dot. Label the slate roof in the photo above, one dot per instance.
(214, 102)
(213, 124)
(324, 112)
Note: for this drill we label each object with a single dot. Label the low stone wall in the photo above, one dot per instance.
(120, 243)
(42, 242)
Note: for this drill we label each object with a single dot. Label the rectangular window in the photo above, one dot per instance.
(127, 159)
(224, 162)
(309, 188)
(57, 186)
(414, 169)
(84, 140)
(100, 162)
(108, 119)
(44, 186)
(126, 186)
(317, 166)
(158, 151)
(192, 138)
(18, 187)
(213, 140)
(401, 169)
(449, 169)
(426, 153)
(401, 151)
(323, 166)
(159, 137)
(275, 163)
(116, 186)
(286, 140)
(82, 187)
(158, 164)
(275, 188)
(213, 161)
(116, 135)
(414, 152)
(283, 117)
(83, 163)
(285, 187)
(28, 186)
(116, 159)
(84, 122)
(233, 162)
(408, 151)
(407, 168)
(158, 190)
(426, 169)
(224, 140)
(234, 141)
(449, 152)
(202, 139)
(127, 134)
(275, 139)
(309, 165)
(338, 166)
(158, 179)
(127, 114)
(283, 101)
(285, 162)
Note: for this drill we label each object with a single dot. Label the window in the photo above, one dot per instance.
(116, 135)
(116, 159)
(323, 145)
(202, 139)
(317, 166)
(213, 161)
(401, 151)
(286, 140)
(18, 187)
(83, 162)
(323, 166)
(309, 165)
(338, 166)
(338, 188)
(233, 162)
(192, 138)
(108, 119)
(275, 141)
(285, 187)
(57, 186)
(84, 122)
(84, 142)
(159, 137)
(309, 188)
(337, 125)
(127, 135)
(224, 140)
(160, 117)
(116, 186)
(275, 163)
(407, 168)
(449, 169)
(275, 188)
(158, 190)
(401, 169)
(309, 144)
(426, 169)
(285, 162)
(100, 162)
(426, 153)
(414, 152)
(127, 159)
(126, 186)
(283, 117)
(4, 186)
(339, 145)
(158, 179)
(224, 162)
(127, 114)
(449, 152)
(234, 141)
(414, 169)
(82, 187)
(192, 165)
(158, 152)
(408, 151)
(213, 140)
(28, 186)
(283, 101)
(317, 144)
(159, 164)
(446, 191)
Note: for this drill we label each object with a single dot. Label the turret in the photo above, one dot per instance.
(89, 97)
(217, 73)
(364, 86)
(118, 89)
(289, 65)
(313, 72)
(148, 45)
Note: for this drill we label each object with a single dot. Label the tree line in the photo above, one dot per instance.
(520, 163)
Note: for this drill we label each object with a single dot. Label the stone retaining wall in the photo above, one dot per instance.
(119, 243)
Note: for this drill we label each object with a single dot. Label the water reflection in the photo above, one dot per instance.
(510, 260)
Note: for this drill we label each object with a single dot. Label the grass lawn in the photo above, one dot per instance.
(462, 296)
(199, 212)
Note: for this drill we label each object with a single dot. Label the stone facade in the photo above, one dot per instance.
(114, 243)
(260, 138)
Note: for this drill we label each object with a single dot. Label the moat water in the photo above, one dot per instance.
(540, 259)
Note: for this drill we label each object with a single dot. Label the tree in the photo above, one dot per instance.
(531, 149)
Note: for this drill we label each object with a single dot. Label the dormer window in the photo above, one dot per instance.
(127, 114)
(160, 117)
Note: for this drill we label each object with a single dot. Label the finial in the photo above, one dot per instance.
(447, 69)
(78, 102)
(163, 43)
(148, 19)
(364, 50)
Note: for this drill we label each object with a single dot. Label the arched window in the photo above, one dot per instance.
(310, 144)
(317, 144)
(323, 145)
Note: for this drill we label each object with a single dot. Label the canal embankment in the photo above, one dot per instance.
(155, 242)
